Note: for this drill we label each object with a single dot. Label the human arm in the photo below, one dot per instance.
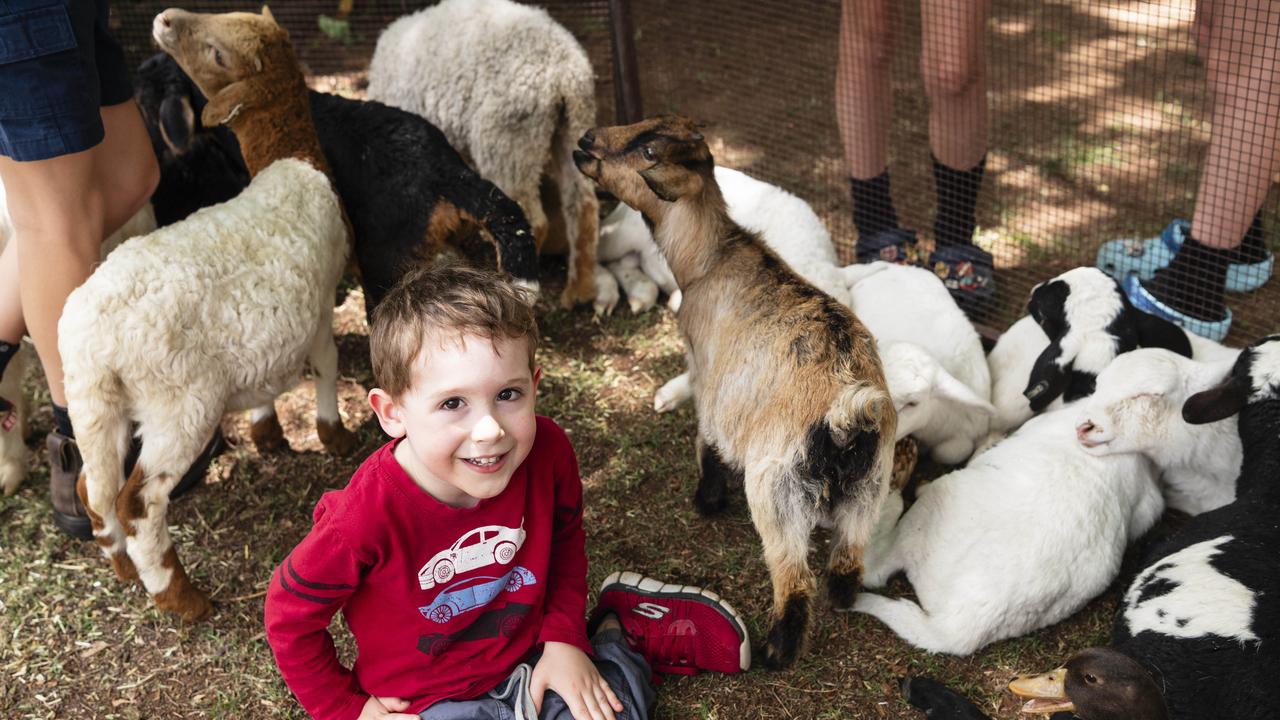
(568, 671)
(308, 588)
(566, 597)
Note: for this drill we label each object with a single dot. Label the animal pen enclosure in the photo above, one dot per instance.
(1099, 113)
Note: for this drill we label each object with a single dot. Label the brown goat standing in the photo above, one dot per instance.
(790, 394)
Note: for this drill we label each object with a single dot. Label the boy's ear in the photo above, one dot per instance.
(537, 377)
(388, 412)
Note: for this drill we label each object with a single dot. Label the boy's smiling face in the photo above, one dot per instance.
(467, 419)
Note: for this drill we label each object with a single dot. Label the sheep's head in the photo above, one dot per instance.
(918, 383)
(1133, 403)
(232, 57)
(648, 165)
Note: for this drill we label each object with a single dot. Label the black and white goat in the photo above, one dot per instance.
(1088, 322)
(408, 193)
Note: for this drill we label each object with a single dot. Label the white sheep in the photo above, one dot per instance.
(1137, 407)
(13, 448)
(933, 358)
(513, 91)
(1019, 539)
(217, 312)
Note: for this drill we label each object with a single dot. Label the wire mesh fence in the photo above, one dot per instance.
(1094, 120)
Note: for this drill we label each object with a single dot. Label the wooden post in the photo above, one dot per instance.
(626, 75)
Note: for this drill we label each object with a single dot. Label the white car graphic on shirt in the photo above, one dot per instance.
(475, 549)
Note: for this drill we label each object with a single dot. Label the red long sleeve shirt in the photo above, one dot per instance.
(443, 602)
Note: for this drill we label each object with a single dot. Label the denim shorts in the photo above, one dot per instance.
(58, 66)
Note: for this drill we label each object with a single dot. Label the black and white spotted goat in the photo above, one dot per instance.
(1196, 633)
(1086, 321)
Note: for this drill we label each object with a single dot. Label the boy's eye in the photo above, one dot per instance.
(452, 403)
(509, 394)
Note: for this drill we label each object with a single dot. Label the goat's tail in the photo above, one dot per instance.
(97, 403)
(913, 624)
(863, 407)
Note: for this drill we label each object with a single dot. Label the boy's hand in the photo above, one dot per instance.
(385, 708)
(568, 671)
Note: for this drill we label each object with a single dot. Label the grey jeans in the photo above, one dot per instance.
(624, 669)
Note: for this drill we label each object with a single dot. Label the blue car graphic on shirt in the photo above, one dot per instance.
(475, 592)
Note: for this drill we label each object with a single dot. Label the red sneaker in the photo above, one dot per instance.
(678, 629)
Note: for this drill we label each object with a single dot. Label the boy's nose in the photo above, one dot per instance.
(487, 430)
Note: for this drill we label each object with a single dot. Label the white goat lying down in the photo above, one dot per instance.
(1137, 407)
(1019, 539)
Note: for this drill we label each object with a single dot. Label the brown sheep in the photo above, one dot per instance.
(790, 394)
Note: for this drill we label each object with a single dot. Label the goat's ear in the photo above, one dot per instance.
(1216, 403)
(1155, 332)
(223, 107)
(266, 13)
(954, 390)
(177, 123)
(670, 182)
(1048, 378)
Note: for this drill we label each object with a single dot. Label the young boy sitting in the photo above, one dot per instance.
(456, 550)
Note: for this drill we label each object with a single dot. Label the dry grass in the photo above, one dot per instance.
(76, 643)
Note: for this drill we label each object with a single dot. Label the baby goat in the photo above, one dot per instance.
(790, 393)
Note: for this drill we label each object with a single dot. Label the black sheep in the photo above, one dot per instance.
(408, 193)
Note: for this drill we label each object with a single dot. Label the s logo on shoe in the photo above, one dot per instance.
(650, 610)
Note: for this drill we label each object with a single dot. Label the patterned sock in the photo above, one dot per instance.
(1195, 281)
(873, 210)
(61, 420)
(957, 200)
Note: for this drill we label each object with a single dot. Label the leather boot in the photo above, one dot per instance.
(64, 470)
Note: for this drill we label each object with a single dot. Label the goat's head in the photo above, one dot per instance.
(919, 384)
(1135, 399)
(234, 58)
(648, 165)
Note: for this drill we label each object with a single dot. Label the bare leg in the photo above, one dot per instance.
(61, 209)
(953, 65)
(1244, 149)
(863, 88)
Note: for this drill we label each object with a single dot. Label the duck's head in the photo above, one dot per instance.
(1095, 684)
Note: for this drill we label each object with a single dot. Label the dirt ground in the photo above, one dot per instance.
(1098, 121)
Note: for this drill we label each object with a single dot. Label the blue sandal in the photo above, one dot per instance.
(1142, 258)
(1143, 300)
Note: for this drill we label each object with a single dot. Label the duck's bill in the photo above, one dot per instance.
(1046, 693)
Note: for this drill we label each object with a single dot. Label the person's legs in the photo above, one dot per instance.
(863, 96)
(626, 671)
(953, 65)
(1239, 39)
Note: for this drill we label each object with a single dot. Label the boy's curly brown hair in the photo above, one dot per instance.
(445, 301)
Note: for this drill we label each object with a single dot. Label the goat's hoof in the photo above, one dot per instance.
(267, 435)
(124, 567)
(787, 634)
(11, 475)
(185, 601)
(337, 440)
(842, 589)
(710, 505)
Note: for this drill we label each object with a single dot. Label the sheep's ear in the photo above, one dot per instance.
(223, 107)
(954, 390)
(1217, 403)
(1155, 332)
(177, 123)
(669, 183)
(1048, 378)
(266, 13)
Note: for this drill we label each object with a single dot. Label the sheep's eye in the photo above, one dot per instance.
(217, 57)
(647, 152)
(1090, 679)
(908, 406)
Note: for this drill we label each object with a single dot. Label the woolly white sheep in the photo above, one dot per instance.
(1019, 539)
(512, 90)
(1137, 407)
(219, 311)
